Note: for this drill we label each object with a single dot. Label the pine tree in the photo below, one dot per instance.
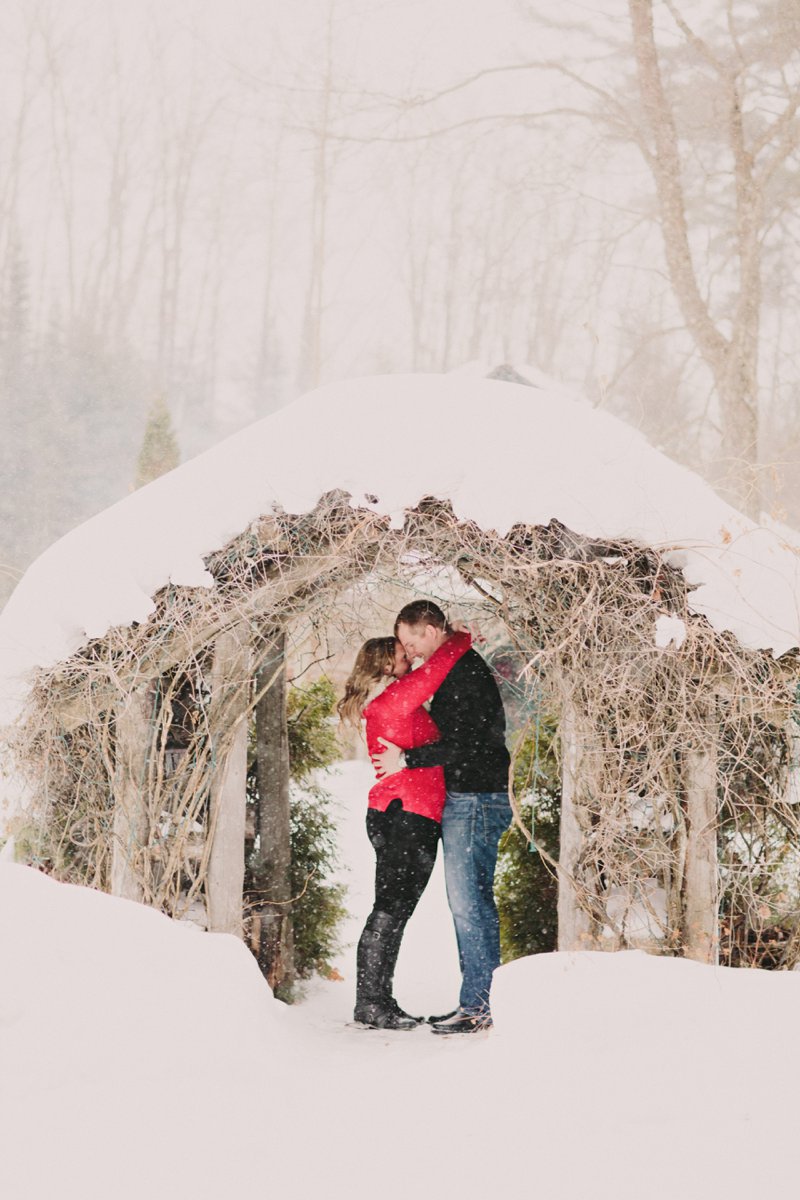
(160, 451)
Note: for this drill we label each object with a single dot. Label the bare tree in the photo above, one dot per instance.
(715, 119)
(756, 105)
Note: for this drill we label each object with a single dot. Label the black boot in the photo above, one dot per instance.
(400, 1012)
(394, 938)
(374, 1008)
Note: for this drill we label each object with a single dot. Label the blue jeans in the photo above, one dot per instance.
(472, 825)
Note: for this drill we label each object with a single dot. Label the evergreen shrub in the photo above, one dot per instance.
(526, 888)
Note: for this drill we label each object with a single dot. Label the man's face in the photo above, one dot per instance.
(420, 641)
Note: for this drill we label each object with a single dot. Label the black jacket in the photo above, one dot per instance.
(469, 713)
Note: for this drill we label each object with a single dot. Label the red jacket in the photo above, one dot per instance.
(398, 716)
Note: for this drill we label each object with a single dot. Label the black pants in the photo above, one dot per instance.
(405, 848)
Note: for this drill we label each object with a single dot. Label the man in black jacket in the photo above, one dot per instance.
(469, 713)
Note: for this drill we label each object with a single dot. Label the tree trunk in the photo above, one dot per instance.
(732, 360)
(310, 366)
(230, 679)
(575, 930)
(131, 825)
(272, 872)
(700, 934)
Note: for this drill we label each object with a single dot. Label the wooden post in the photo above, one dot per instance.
(792, 790)
(574, 923)
(700, 933)
(273, 868)
(230, 680)
(131, 826)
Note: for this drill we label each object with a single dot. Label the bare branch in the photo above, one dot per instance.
(694, 40)
(785, 131)
(468, 123)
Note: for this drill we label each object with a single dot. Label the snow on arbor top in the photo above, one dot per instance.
(500, 452)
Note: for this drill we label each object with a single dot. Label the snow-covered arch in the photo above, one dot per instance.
(645, 601)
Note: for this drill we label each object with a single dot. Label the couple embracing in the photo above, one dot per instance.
(442, 772)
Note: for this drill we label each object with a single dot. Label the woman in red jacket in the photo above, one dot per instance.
(404, 813)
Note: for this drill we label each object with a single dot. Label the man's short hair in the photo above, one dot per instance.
(421, 612)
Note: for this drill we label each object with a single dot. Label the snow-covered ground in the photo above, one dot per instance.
(141, 1058)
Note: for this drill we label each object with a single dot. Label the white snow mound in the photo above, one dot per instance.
(123, 1037)
(93, 984)
(141, 1058)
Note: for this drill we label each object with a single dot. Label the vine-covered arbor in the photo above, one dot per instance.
(675, 747)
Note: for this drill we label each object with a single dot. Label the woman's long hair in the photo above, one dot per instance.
(369, 668)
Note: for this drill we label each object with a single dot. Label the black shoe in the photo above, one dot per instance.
(464, 1022)
(443, 1017)
(374, 1016)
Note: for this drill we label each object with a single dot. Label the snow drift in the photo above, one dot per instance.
(141, 1058)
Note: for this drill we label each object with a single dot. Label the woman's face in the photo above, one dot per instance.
(401, 664)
